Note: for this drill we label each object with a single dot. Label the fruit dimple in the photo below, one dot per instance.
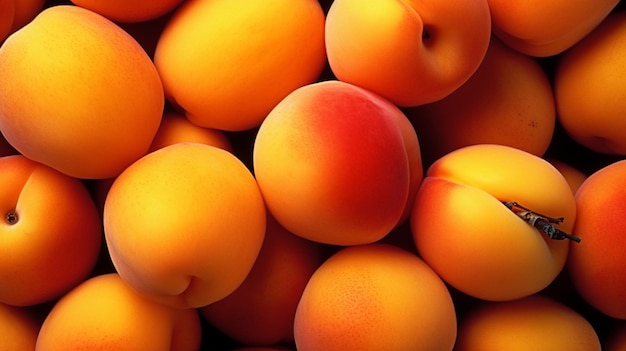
(11, 217)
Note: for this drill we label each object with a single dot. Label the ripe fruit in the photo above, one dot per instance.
(184, 224)
(50, 232)
(375, 297)
(226, 63)
(103, 313)
(80, 95)
(508, 101)
(19, 327)
(541, 28)
(6, 18)
(175, 128)
(410, 52)
(261, 311)
(597, 268)
(531, 323)
(463, 230)
(589, 83)
(332, 164)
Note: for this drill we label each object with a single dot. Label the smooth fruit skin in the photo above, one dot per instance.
(184, 224)
(589, 81)
(532, 323)
(409, 51)
(79, 94)
(175, 128)
(375, 297)
(50, 232)
(555, 26)
(226, 63)
(103, 313)
(331, 162)
(262, 309)
(462, 229)
(130, 11)
(597, 267)
(20, 327)
(508, 101)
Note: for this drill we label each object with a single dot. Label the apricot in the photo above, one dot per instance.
(184, 224)
(375, 297)
(227, 63)
(103, 313)
(588, 84)
(261, 311)
(508, 101)
(175, 128)
(574, 176)
(539, 28)
(332, 164)
(80, 94)
(597, 268)
(129, 11)
(410, 52)
(50, 230)
(531, 323)
(464, 231)
(20, 327)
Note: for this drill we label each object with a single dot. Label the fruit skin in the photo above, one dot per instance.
(129, 11)
(588, 82)
(20, 327)
(462, 229)
(184, 224)
(222, 84)
(411, 52)
(103, 313)
(331, 162)
(53, 240)
(80, 94)
(375, 297)
(531, 323)
(261, 311)
(555, 27)
(596, 267)
(175, 128)
(508, 101)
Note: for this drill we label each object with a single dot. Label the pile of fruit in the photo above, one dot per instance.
(312, 175)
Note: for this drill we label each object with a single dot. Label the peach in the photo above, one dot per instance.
(332, 164)
(464, 231)
(409, 51)
(531, 323)
(184, 224)
(508, 101)
(589, 81)
(227, 63)
(81, 95)
(175, 128)
(597, 267)
(261, 311)
(539, 28)
(103, 313)
(129, 11)
(20, 327)
(375, 297)
(50, 229)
